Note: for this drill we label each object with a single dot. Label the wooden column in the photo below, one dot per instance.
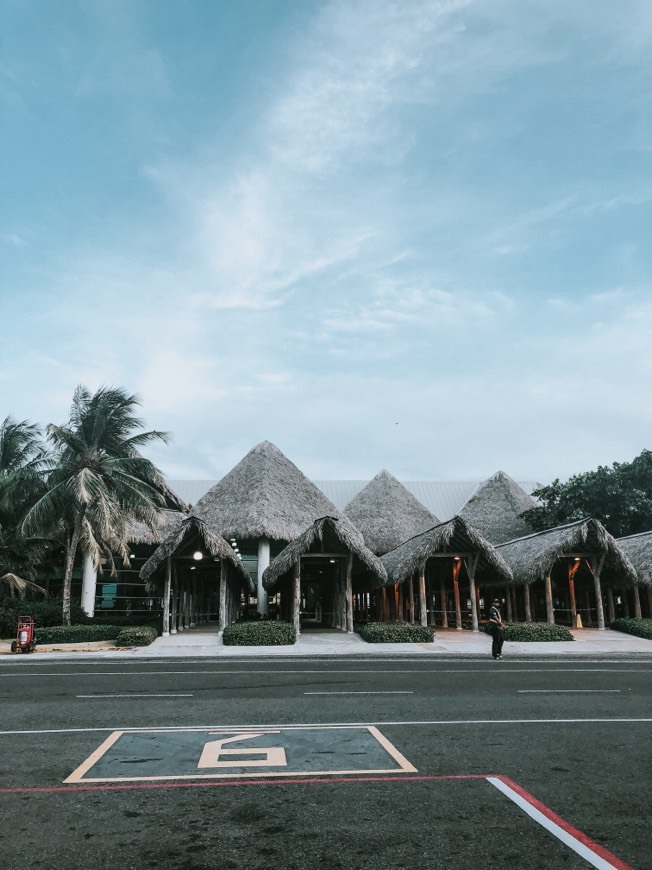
(611, 610)
(349, 594)
(527, 603)
(623, 595)
(456, 594)
(573, 604)
(221, 625)
(649, 602)
(444, 605)
(508, 605)
(550, 610)
(411, 600)
(637, 603)
(597, 564)
(401, 596)
(175, 597)
(166, 597)
(423, 604)
(296, 609)
(470, 569)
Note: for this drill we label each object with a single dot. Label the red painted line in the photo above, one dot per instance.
(550, 814)
(317, 780)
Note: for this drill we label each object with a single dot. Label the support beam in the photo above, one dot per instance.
(89, 586)
(527, 603)
(221, 625)
(596, 565)
(296, 610)
(423, 608)
(444, 604)
(637, 603)
(471, 567)
(349, 593)
(262, 601)
(457, 565)
(550, 610)
(175, 597)
(411, 600)
(611, 610)
(166, 597)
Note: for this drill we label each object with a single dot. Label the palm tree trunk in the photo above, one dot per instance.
(71, 552)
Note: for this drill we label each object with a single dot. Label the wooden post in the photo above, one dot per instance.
(597, 570)
(411, 599)
(611, 610)
(637, 604)
(444, 605)
(222, 617)
(470, 569)
(623, 595)
(456, 593)
(549, 604)
(423, 605)
(649, 602)
(296, 610)
(400, 608)
(508, 604)
(349, 594)
(175, 597)
(166, 597)
(527, 603)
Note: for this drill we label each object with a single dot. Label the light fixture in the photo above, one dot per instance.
(456, 559)
(193, 567)
(577, 559)
(132, 556)
(197, 555)
(332, 561)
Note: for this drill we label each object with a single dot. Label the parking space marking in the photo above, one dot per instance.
(596, 855)
(358, 693)
(188, 753)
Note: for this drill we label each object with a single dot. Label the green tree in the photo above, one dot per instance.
(23, 463)
(619, 496)
(99, 482)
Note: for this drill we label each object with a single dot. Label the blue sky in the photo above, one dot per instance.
(409, 235)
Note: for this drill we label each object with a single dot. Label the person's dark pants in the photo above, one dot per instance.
(498, 636)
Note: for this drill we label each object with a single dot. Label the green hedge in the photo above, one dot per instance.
(75, 633)
(534, 632)
(137, 635)
(263, 633)
(395, 632)
(639, 627)
(44, 613)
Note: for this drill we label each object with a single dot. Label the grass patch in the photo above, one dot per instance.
(638, 627)
(259, 633)
(395, 632)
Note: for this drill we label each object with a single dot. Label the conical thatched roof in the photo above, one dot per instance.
(455, 536)
(387, 513)
(335, 536)
(265, 496)
(141, 533)
(494, 509)
(638, 549)
(213, 542)
(532, 557)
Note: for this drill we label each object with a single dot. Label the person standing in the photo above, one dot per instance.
(497, 630)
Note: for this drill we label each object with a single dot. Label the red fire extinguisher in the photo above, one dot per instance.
(25, 636)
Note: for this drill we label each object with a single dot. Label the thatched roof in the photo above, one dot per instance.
(532, 557)
(454, 536)
(638, 549)
(141, 533)
(387, 513)
(213, 542)
(265, 496)
(494, 509)
(334, 536)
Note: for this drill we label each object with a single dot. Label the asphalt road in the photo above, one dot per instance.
(575, 736)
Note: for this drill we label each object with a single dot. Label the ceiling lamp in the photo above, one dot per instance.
(197, 555)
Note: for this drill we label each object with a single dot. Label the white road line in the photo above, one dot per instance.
(501, 670)
(556, 830)
(399, 722)
(358, 693)
(561, 691)
(143, 695)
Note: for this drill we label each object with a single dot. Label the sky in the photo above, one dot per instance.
(399, 234)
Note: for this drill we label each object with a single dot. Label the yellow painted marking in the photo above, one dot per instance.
(76, 775)
(213, 753)
(401, 760)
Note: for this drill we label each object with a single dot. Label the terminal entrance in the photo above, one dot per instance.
(320, 577)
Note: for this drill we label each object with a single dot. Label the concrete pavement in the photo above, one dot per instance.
(205, 641)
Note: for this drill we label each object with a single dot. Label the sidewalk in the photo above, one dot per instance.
(205, 641)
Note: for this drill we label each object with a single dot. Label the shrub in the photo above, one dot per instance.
(395, 632)
(262, 633)
(137, 635)
(75, 633)
(534, 632)
(44, 613)
(639, 627)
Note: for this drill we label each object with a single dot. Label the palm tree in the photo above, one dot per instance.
(99, 481)
(23, 462)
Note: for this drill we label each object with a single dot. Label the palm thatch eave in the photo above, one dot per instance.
(288, 557)
(638, 549)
